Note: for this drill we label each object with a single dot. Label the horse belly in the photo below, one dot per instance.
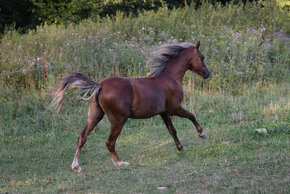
(147, 106)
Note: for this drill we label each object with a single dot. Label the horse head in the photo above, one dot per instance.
(197, 64)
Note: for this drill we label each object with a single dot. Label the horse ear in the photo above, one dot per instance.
(197, 45)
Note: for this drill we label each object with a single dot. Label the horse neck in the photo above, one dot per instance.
(178, 66)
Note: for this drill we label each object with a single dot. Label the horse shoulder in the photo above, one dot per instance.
(174, 95)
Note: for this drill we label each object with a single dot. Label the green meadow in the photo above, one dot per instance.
(243, 107)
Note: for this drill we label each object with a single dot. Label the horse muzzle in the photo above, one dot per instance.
(206, 74)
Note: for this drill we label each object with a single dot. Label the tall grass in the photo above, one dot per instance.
(242, 43)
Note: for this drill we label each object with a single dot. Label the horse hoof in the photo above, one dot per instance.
(182, 148)
(77, 169)
(203, 135)
(122, 163)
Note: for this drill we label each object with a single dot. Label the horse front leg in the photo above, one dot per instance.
(167, 120)
(186, 114)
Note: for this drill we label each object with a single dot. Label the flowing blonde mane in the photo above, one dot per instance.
(164, 55)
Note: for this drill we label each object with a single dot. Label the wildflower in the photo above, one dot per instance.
(262, 28)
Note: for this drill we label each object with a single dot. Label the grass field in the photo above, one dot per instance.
(234, 158)
(244, 106)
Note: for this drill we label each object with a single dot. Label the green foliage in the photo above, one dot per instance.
(16, 14)
(283, 3)
(28, 14)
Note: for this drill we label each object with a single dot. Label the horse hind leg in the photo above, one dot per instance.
(95, 115)
(116, 128)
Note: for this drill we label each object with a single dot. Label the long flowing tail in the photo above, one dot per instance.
(75, 80)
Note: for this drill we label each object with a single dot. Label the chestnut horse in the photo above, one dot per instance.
(158, 93)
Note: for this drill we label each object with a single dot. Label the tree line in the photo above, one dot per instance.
(27, 14)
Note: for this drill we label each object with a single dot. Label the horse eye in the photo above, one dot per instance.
(202, 58)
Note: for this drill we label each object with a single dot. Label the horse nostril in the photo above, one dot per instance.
(209, 73)
(206, 73)
(206, 76)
